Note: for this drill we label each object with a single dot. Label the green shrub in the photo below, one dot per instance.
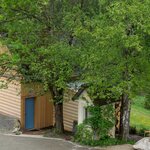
(133, 130)
(105, 141)
(96, 126)
(84, 134)
(101, 120)
(141, 131)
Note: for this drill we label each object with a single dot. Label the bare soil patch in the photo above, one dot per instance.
(120, 147)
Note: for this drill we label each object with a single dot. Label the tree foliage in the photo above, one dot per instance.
(116, 53)
(122, 28)
(41, 45)
(107, 42)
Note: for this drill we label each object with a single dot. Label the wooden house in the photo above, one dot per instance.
(35, 110)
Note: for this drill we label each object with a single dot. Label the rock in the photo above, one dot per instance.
(17, 127)
(111, 133)
(143, 144)
(6, 123)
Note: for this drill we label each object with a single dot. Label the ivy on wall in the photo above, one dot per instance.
(98, 124)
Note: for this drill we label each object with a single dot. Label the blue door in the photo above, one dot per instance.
(29, 113)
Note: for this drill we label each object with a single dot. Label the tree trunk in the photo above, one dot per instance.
(125, 102)
(58, 104)
(124, 117)
(59, 117)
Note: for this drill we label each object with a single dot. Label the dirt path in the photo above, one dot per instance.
(120, 147)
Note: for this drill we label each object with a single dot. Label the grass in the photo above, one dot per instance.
(140, 117)
(109, 142)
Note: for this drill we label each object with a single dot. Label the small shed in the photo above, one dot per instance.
(27, 105)
(36, 108)
(85, 100)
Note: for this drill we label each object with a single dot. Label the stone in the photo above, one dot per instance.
(17, 127)
(111, 133)
(6, 123)
(143, 144)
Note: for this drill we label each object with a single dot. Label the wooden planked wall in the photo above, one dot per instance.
(70, 110)
(43, 106)
(10, 97)
(10, 100)
(70, 114)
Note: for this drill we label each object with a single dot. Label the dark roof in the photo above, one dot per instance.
(79, 87)
(77, 95)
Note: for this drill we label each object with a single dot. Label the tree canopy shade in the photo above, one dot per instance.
(105, 41)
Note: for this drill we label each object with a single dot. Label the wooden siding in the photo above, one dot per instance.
(70, 110)
(43, 106)
(10, 100)
(70, 113)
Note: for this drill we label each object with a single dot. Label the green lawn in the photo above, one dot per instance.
(140, 117)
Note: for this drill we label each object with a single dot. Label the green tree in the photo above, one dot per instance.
(47, 40)
(41, 45)
(116, 53)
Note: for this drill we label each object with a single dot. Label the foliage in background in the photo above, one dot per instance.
(140, 117)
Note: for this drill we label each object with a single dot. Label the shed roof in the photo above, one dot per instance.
(80, 87)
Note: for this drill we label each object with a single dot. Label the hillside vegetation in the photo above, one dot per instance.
(140, 117)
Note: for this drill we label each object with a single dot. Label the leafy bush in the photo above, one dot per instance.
(105, 141)
(101, 120)
(133, 130)
(141, 131)
(84, 134)
(96, 126)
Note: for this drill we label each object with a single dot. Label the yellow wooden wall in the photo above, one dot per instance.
(70, 110)
(10, 100)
